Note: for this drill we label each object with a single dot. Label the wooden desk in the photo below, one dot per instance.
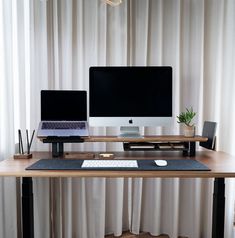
(221, 164)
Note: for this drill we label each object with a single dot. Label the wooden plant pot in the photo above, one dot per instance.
(189, 131)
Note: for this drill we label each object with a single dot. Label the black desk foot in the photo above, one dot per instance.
(218, 208)
(27, 208)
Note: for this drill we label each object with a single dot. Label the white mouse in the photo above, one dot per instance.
(161, 162)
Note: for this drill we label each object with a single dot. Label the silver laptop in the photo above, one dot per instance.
(63, 113)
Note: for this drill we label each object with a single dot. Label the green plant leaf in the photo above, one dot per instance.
(186, 117)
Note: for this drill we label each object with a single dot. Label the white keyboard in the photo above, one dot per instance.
(109, 164)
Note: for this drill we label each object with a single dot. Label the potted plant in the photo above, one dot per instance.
(186, 118)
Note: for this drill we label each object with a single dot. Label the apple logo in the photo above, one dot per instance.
(130, 121)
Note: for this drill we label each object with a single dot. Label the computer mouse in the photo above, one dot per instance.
(161, 162)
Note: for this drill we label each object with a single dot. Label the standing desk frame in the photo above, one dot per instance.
(221, 164)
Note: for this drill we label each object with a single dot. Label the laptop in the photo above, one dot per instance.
(63, 113)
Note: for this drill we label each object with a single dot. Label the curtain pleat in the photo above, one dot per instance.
(8, 50)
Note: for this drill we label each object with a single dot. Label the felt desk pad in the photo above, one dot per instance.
(144, 165)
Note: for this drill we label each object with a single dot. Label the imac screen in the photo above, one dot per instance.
(131, 91)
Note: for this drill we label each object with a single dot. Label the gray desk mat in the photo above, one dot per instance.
(143, 165)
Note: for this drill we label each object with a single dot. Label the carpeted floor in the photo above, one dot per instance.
(141, 235)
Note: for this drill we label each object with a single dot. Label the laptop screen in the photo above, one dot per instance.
(63, 105)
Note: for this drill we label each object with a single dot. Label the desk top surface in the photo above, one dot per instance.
(220, 163)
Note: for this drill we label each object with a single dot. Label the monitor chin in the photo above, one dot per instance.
(130, 121)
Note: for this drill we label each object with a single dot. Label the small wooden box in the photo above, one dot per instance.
(80, 155)
(106, 156)
(23, 156)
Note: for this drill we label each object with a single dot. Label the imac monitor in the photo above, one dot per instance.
(130, 97)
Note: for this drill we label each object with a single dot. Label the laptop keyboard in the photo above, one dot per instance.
(63, 125)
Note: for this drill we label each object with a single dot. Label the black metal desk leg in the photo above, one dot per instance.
(27, 208)
(218, 208)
